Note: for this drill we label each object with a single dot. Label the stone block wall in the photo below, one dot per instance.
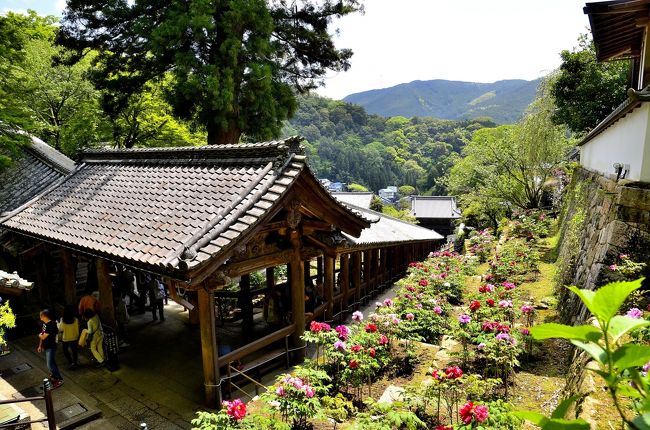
(601, 219)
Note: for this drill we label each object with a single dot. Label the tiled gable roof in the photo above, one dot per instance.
(386, 230)
(36, 167)
(174, 208)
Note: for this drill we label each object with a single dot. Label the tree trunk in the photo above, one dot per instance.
(220, 136)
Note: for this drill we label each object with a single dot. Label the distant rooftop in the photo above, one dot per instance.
(386, 230)
(361, 200)
(434, 207)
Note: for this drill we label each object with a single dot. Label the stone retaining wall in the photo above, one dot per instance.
(601, 219)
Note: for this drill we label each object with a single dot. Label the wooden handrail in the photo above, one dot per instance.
(256, 345)
(239, 372)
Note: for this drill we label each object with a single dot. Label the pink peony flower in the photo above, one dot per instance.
(509, 285)
(388, 302)
(437, 310)
(357, 316)
(410, 316)
(339, 345)
(343, 332)
(505, 304)
(464, 319)
(635, 313)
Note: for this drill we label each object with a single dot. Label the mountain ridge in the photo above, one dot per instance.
(504, 101)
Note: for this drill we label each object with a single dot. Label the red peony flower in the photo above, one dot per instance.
(490, 302)
(474, 305)
(436, 374)
(441, 427)
(424, 282)
(371, 328)
(453, 372)
(466, 412)
(353, 364)
(481, 413)
(372, 352)
(356, 348)
(235, 409)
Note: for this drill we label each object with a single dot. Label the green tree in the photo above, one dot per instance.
(234, 63)
(586, 91)
(407, 190)
(404, 214)
(15, 31)
(376, 204)
(63, 106)
(510, 166)
(357, 188)
(148, 120)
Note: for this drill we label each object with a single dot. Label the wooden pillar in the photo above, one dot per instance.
(374, 270)
(105, 287)
(209, 351)
(328, 286)
(319, 269)
(296, 272)
(345, 278)
(356, 275)
(69, 278)
(246, 303)
(367, 276)
(270, 277)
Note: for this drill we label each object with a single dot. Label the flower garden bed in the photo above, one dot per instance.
(451, 338)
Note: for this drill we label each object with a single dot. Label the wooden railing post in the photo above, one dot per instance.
(329, 286)
(209, 347)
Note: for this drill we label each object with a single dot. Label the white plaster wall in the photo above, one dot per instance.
(626, 142)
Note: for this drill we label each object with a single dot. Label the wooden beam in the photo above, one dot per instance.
(257, 263)
(328, 286)
(209, 350)
(297, 283)
(194, 310)
(69, 278)
(105, 287)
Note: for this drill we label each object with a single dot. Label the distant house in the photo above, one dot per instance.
(389, 193)
(436, 212)
(619, 146)
(361, 200)
(332, 186)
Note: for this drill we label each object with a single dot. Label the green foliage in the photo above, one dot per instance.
(403, 214)
(407, 190)
(16, 30)
(510, 166)
(619, 361)
(557, 420)
(385, 416)
(233, 63)
(586, 91)
(376, 204)
(345, 143)
(62, 105)
(7, 320)
(357, 188)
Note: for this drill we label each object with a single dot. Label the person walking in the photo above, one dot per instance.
(95, 333)
(69, 332)
(47, 343)
(157, 295)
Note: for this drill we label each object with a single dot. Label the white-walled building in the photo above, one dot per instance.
(619, 147)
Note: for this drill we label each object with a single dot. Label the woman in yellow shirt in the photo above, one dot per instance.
(69, 332)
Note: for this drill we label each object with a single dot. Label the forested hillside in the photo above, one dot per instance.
(503, 101)
(347, 144)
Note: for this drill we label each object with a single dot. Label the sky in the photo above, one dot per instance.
(398, 41)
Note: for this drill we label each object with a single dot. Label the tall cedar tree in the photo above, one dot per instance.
(235, 63)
